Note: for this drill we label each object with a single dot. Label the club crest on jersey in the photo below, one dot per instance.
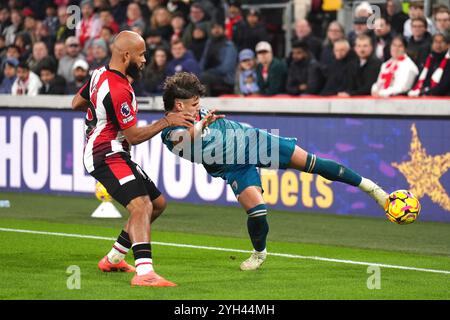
(234, 185)
(125, 109)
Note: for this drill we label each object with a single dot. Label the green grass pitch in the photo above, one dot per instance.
(34, 265)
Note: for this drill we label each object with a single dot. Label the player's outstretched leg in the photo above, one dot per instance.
(252, 201)
(331, 170)
(114, 260)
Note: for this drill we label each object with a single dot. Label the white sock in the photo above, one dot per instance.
(143, 266)
(117, 253)
(373, 190)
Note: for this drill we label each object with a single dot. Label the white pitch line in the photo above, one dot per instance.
(285, 255)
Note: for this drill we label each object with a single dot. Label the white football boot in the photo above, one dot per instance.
(375, 191)
(255, 261)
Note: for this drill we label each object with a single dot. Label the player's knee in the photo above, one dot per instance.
(140, 206)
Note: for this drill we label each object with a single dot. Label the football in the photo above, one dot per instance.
(101, 193)
(402, 207)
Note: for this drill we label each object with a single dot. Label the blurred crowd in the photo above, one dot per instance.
(52, 47)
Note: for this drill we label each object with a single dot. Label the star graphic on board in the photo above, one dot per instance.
(423, 172)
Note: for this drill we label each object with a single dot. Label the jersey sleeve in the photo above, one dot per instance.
(124, 109)
(171, 135)
(84, 90)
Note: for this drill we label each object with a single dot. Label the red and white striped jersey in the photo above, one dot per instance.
(113, 109)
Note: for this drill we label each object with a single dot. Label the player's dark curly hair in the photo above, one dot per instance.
(182, 85)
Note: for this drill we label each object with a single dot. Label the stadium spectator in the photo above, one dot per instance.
(434, 78)
(51, 19)
(9, 75)
(246, 81)
(155, 72)
(40, 54)
(139, 29)
(303, 32)
(397, 75)
(153, 39)
(419, 44)
(178, 22)
(416, 10)
(197, 14)
(304, 73)
(14, 28)
(335, 32)
(178, 7)
(183, 60)
(119, 10)
(107, 20)
(64, 30)
(383, 34)
(360, 27)
(73, 53)
(199, 40)
(41, 33)
(88, 28)
(12, 51)
(149, 8)
(100, 54)
(214, 9)
(59, 50)
(27, 82)
(100, 5)
(134, 17)
(218, 62)
(250, 33)
(23, 42)
(336, 72)
(270, 71)
(442, 21)
(5, 18)
(3, 47)
(160, 21)
(363, 9)
(107, 34)
(51, 82)
(233, 19)
(362, 72)
(29, 23)
(395, 15)
(80, 72)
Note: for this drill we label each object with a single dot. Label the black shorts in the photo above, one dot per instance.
(125, 180)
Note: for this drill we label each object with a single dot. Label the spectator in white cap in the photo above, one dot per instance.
(73, 53)
(270, 71)
(80, 73)
(246, 81)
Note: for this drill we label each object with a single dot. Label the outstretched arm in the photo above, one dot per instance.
(136, 135)
(196, 130)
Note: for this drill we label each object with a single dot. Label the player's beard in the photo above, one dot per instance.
(134, 71)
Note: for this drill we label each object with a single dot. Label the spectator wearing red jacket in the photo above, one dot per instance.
(90, 25)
